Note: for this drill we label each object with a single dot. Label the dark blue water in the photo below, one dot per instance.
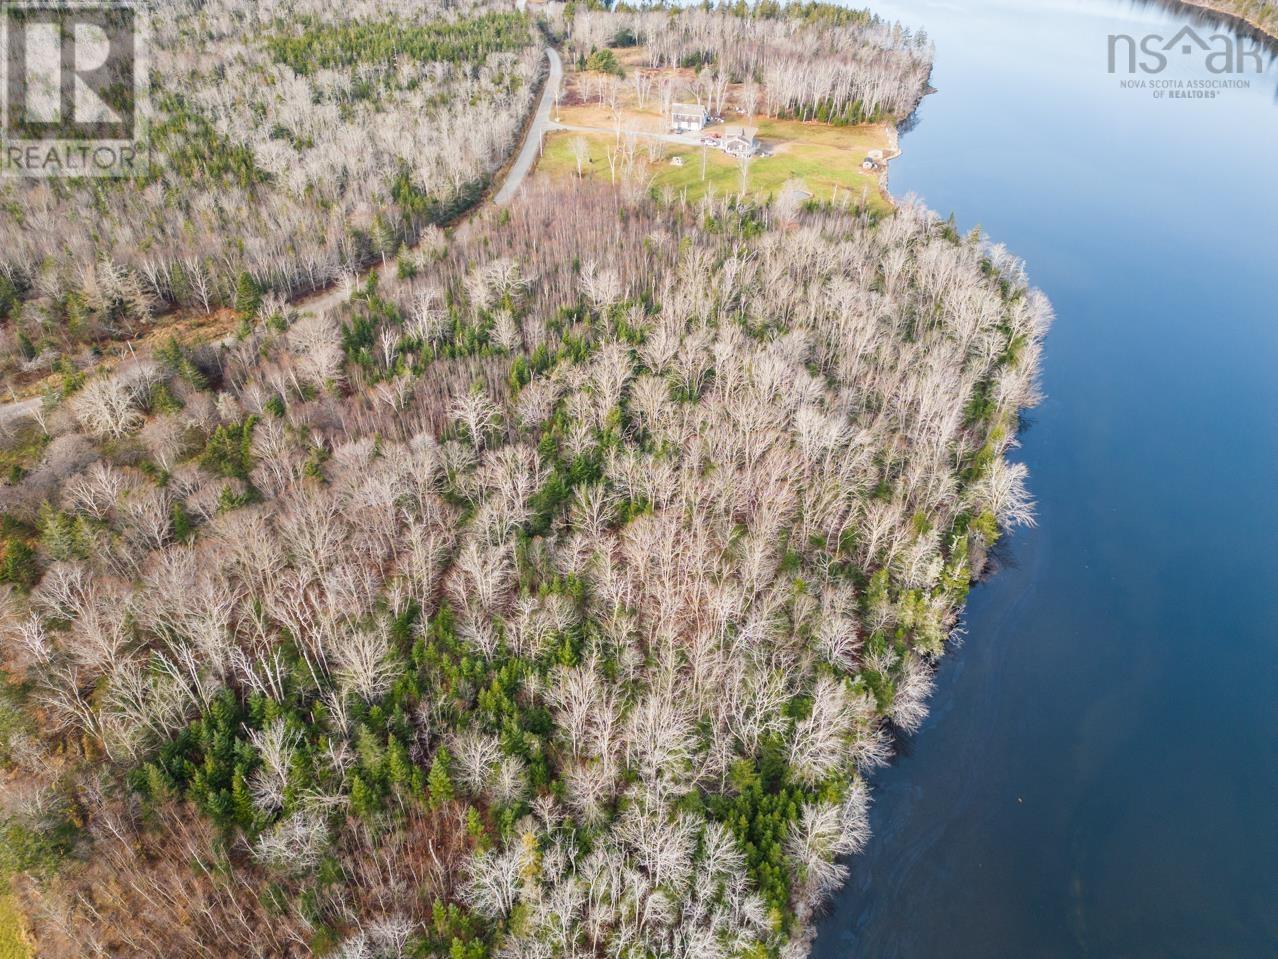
(1100, 773)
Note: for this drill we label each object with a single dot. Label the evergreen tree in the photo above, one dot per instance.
(248, 296)
(439, 780)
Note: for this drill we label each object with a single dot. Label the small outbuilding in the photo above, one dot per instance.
(688, 117)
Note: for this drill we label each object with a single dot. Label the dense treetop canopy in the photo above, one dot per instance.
(548, 599)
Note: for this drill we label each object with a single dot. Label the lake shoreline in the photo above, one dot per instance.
(1232, 16)
(1079, 691)
(893, 151)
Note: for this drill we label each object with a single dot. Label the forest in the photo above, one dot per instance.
(550, 598)
(293, 143)
(550, 594)
(812, 61)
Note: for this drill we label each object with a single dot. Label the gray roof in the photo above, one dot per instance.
(696, 108)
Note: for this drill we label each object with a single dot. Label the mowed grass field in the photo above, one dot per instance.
(827, 159)
(828, 166)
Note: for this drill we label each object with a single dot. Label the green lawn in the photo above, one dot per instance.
(856, 138)
(821, 166)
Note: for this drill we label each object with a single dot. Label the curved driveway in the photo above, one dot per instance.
(536, 130)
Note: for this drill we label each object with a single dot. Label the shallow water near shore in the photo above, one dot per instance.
(1099, 776)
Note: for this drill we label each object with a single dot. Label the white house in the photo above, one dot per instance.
(740, 141)
(688, 117)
